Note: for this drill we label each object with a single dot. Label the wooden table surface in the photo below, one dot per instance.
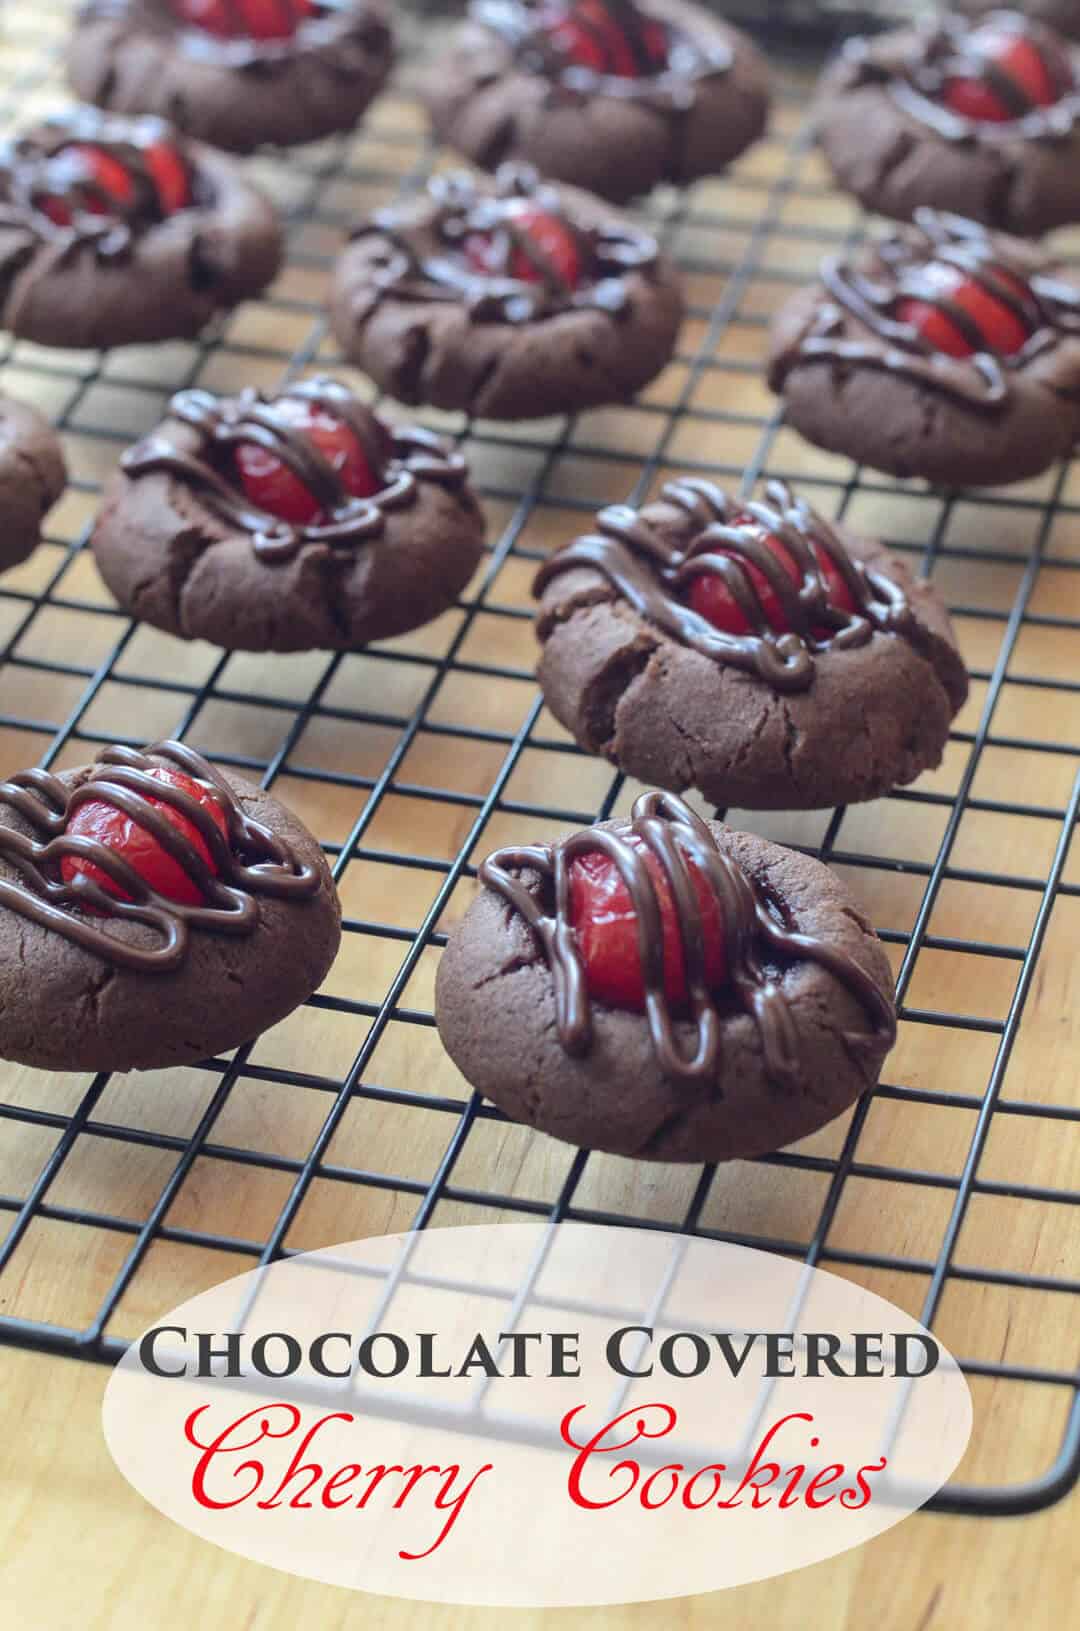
(77, 1546)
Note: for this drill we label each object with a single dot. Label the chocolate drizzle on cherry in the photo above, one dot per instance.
(948, 304)
(84, 177)
(604, 47)
(987, 82)
(787, 587)
(189, 825)
(350, 484)
(537, 259)
(735, 941)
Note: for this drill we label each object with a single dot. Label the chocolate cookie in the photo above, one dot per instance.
(599, 92)
(117, 231)
(287, 524)
(510, 299)
(982, 119)
(32, 477)
(153, 912)
(751, 650)
(946, 352)
(665, 988)
(1064, 15)
(235, 73)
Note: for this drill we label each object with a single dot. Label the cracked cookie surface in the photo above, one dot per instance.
(408, 309)
(182, 547)
(87, 262)
(497, 1010)
(65, 1007)
(501, 93)
(897, 149)
(873, 716)
(870, 361)
(32, 477)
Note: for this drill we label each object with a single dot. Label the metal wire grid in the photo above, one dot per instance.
(449, 684)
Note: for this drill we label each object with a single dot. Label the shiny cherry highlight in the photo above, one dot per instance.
(606, 931)
(106, 185)
(1003, 330)
(543, 245)
(272, 486)
(1011, 54)
(118, 832)
(711, 598)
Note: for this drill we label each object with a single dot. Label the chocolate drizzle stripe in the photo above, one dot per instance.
(246, 861)
(425, 259)
(401, 458)
(666, 88)
(44, 167)
(947, 50)
(1019, 280)
(755, 932)
(722, 538)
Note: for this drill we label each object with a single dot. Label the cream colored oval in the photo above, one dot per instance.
(512, 1534)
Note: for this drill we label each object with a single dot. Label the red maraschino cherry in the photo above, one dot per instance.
(712, 599)
(136, 845)
(112, 186)
(591, 35)
(273, 487)
(551, 242)
(1013, 54)
(244, 19)
(606, 930)
(1004, 331)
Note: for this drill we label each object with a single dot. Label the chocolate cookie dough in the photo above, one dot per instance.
(946, 352)
(153, 912)
(287, 524)
(32, 477)
(235, 73)
(118, 231)
(1064, 15)
(665, 988)
(981, 119)
(751, 650)
(508, 298)
(599, 92)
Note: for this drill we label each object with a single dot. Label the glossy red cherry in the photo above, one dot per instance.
(244, 19)
(1014, 55)
(606, 930)
(590, 35)
(170, 176)
(118, 832)
(273, 487)
(80, 164)
(712, 599)
(551, 241)
(1004, 331)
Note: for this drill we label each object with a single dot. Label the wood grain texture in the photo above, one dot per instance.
(77, 1546)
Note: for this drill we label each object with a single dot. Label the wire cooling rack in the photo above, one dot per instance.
(952, 1190)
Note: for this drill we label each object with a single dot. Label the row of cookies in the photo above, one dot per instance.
(661, 987)
(747, 648)
(664, 988)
